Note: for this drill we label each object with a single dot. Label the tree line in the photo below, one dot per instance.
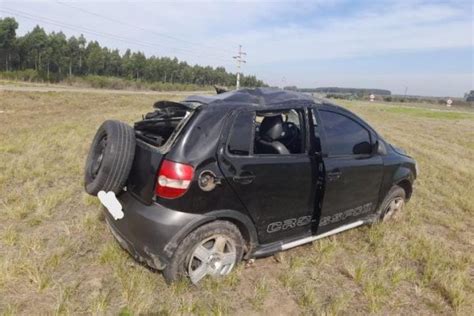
(351, 91)
(55, 57)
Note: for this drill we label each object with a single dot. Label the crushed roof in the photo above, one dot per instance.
(257, 96)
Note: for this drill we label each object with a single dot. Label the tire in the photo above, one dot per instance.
(186, 263)
(110, 158)
(392, 205)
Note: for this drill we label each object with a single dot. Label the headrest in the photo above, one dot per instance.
(271, 127)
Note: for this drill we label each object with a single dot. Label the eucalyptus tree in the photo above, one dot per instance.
(94, 58)
(54, 56)
(8, 28)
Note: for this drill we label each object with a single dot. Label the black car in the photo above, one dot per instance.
(196, 186)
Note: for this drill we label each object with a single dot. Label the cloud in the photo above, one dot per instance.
(275, 34)
(391, 29)
(271, 31)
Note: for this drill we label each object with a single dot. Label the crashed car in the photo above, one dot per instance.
(196, 186)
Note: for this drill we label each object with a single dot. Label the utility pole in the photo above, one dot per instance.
(239, 58)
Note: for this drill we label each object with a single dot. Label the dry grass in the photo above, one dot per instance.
(56, 255)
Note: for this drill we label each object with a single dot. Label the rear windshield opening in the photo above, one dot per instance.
(162, 125)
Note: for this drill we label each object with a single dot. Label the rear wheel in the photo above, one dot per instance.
(392, 205)
(110, 158)
(211, 250)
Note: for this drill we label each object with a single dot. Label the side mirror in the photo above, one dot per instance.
(362, 148)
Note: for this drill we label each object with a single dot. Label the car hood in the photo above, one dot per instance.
(399, 150)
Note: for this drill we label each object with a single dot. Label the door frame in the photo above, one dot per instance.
(373, 137)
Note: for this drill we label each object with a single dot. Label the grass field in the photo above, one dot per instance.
(56, 255)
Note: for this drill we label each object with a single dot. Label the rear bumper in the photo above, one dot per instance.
(150, 233)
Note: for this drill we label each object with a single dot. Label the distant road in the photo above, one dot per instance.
(60, 88)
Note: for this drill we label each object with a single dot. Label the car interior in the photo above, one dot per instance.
(278, 133)
(158, 126)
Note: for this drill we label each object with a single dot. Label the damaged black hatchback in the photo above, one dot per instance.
(199, 185)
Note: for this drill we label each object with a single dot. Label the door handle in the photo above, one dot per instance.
(334, 174)
(244, 178)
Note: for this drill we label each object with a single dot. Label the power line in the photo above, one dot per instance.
(68, 26)
(102, 34)
(92, 31)
(240, 59)
(141, 28)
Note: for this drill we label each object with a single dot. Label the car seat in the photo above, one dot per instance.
(270, 130)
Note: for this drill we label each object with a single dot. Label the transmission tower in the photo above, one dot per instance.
(240, 59)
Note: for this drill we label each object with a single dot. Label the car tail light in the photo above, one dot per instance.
(173, 180)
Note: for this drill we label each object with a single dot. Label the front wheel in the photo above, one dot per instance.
(211, 250)
(392, 205)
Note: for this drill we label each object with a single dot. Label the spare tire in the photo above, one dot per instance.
(110, 158)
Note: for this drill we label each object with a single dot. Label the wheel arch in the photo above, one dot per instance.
(404, 178)
(406, 185)
(242, 221)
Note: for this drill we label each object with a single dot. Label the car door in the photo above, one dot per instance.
(353, 169)
(276, 189)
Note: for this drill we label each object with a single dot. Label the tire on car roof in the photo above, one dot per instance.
(110, 158)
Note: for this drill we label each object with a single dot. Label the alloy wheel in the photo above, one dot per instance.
(214, 256)
(393, 208)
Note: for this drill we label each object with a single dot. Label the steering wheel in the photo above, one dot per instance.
(290, 134)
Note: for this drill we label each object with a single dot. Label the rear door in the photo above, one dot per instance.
(353, 169)
(276, 189)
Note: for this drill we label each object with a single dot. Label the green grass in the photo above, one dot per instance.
(58, 257)
(30, 77)
(426, 113)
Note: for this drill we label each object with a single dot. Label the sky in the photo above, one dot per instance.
(425, 47)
